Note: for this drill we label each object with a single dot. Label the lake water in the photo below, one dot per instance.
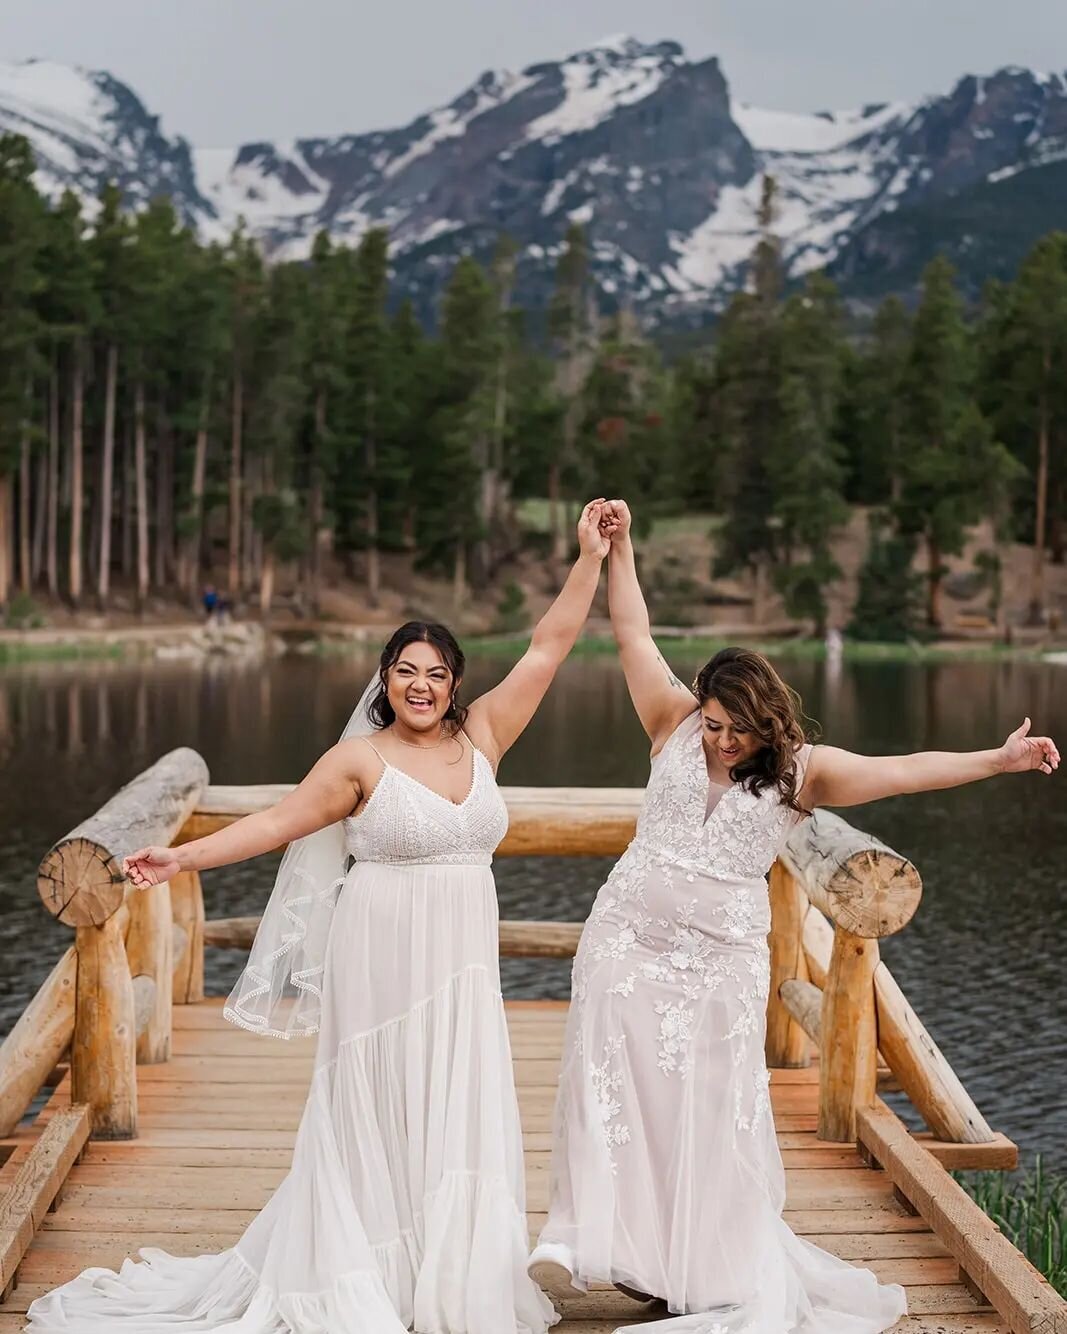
(982, 962)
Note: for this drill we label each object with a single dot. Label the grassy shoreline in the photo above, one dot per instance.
(67, 645)
(812, 650)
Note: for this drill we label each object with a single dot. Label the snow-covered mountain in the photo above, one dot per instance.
(648, 149)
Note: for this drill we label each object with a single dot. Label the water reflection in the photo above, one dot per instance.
(982, 961)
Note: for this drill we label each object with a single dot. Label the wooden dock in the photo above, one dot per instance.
(216, 1125)
(165, 1126)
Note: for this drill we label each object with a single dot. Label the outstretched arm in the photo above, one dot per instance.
(661, 700)
(840, 778)
(328, 793)
(498, 717)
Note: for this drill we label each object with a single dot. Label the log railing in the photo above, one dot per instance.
(108, 999)
(835, 892)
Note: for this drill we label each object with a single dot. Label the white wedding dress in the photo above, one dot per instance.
(405, 1203)
(666, 1174)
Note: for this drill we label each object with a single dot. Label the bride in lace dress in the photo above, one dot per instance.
(405, 1202)
(666, 1175)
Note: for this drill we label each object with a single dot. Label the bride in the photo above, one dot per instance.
(405, 1203)
(666, 1175)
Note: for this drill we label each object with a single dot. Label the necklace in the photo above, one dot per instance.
(445, 736)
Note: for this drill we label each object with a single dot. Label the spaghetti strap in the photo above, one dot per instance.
(374, 748)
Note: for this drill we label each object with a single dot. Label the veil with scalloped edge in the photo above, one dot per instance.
(288, 955)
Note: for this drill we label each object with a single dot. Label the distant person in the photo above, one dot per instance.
(209, 600)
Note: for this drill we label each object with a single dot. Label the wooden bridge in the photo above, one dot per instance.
(164, 1125)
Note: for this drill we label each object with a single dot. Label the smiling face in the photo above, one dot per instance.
(420, 686)
(731, 743)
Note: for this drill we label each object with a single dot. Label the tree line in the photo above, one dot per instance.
(171, 410)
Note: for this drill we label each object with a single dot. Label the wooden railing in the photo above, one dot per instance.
(835, 893)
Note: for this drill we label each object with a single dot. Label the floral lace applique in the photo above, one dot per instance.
(606, 1083)
(675, 1036)
(761, 1101)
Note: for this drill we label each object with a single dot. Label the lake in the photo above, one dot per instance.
(982, 962)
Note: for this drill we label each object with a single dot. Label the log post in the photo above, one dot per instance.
(150, 952)
(103, 1048)
(787, 1044)
(911, 1053)
(856, 880)
(80, 881)
(187, 910)
(42, 1033)
(848, 1047)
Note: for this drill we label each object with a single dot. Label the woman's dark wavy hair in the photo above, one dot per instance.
(443, 640)
(758, 700)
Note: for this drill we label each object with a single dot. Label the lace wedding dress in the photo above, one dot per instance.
(405, 1203)
(666, 1174)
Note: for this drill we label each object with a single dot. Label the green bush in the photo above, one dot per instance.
(511, 611)
(888, 601)
(22, 613)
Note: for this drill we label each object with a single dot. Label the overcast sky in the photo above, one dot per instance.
(222, 72)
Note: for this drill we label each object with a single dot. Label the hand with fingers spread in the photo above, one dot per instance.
(591, 538)
(1022, 752)
(150, 866)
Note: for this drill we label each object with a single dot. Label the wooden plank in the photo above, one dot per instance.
(981, 1322)
(1018, 1291)
(1000, 1154)
(37, 1183)
(943, 1299)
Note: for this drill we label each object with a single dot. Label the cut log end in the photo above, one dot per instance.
(80, 883)
(876, 893)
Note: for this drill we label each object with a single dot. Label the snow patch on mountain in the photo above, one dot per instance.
(594, 87)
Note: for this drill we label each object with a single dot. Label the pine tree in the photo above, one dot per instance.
(874, 401)
(948, 451)
(21, 277)
(245, 300)
(748, 380)
(448, 519)
(279, 410)
(888, 600)
(326, 386)
(72, 312)
(624, 428)
(365, 417)
(1024, 385)
(807, 475)
(109, 249)
(571, 326)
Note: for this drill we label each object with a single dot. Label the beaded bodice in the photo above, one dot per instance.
(407, 823)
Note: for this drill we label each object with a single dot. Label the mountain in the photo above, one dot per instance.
(649, 150)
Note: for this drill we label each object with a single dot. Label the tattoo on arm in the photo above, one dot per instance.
(672, 680)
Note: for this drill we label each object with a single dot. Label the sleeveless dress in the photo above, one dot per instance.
(666, 1173)
(405, 1202)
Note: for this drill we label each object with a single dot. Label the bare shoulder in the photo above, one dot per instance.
(478, 732)
(359, 759)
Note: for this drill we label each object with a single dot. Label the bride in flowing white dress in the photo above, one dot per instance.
(666, 1175)
(405, 1203)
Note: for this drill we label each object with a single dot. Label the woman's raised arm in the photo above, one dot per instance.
(497, 718)
(840, 778)
(661, 700)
